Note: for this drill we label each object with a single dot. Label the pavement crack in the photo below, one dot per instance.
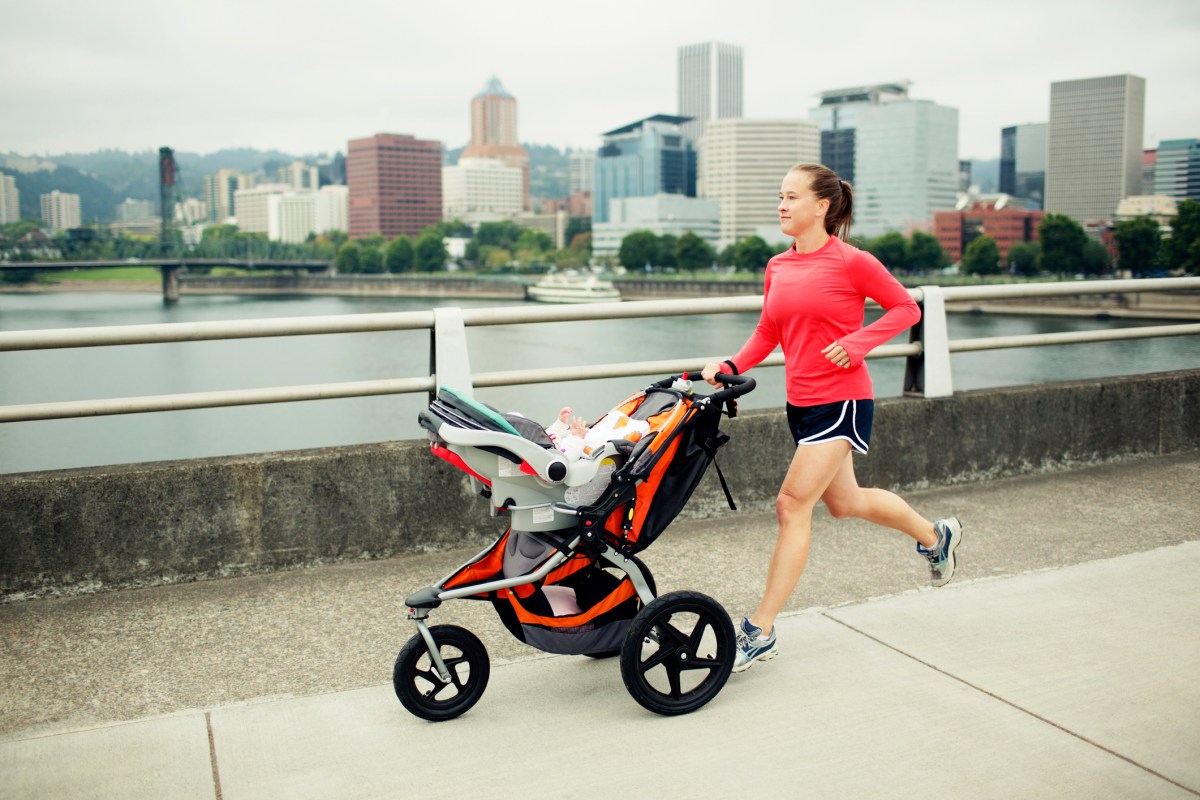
(1011, 704)
(212, 755)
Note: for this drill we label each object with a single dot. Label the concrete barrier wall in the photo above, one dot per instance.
(86, 529)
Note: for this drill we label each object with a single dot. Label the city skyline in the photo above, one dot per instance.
(135, 75)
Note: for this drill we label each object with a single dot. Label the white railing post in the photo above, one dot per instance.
(928, 374)
(450, 360)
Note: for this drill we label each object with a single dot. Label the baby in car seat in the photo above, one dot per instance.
(575, 439)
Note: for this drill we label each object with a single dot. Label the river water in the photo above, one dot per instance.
(105, 372)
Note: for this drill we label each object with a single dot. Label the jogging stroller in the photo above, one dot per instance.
(565, 577)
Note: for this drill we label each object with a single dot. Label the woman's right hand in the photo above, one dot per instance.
(710, 373)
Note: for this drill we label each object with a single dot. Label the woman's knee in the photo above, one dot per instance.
(841, 507)
(789, 507)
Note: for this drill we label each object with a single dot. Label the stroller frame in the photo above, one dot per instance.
(442, 670)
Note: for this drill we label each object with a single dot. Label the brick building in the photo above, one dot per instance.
(395, 183)
(994, 217)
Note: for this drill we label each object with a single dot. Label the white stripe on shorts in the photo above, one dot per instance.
(855, 441)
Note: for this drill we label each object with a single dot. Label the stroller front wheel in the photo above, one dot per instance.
(678, 653)
(421, 689)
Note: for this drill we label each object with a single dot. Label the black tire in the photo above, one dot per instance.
(653, 590)
(678, 653)
(418, 685)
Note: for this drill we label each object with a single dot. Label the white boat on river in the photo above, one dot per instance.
(571, 288)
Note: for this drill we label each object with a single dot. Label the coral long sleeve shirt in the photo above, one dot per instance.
(811, 300)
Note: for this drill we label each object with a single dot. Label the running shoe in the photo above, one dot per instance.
(753, 646)
(941, 557)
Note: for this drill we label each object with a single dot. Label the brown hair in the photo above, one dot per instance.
(826, 185)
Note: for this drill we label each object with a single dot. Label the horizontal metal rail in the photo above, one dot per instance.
(512, 315)
(1072, 337)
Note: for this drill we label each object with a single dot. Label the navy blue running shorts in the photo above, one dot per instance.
(847, 419)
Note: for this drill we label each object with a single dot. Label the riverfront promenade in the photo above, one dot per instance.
(1062, 661)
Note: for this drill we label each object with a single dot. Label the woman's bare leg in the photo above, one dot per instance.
(812, 469)
(845, 498)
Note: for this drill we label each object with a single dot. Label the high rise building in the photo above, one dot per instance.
(741, 165)
(61, 210)
(1177, 169)
(494, 132)
(481, 190)
(709, 84)
(836, 117)
(581, 166)
(219, 191)
(899, 154)
(300, 176)
(10, 200)
(395, 184)
(1023, 162)
(1094, 145)
(648, 157)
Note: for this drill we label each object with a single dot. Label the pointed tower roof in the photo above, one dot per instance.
(494, 89)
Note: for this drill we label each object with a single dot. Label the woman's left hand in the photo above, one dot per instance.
(837, 355)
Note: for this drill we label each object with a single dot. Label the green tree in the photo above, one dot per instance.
(1062, 241)
(536, 241)
(693, 253)
(370, 261)
(1096, 259)
(666, 251)
(638, 249)
(400, 255)
(752, 254)
(1182, 249)
(430, 253)
(348, 260)
(925, 253)
(982, 257)
(1138, 242)
(725, 257)
(892, 251)
(1023, 259)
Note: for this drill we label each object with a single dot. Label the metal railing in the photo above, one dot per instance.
(928, 371)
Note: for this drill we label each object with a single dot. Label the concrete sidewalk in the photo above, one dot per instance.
(1062, 662)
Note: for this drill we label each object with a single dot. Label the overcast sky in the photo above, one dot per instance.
(304, 77)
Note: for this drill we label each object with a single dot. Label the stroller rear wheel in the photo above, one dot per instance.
(423, 692)
(678, 653)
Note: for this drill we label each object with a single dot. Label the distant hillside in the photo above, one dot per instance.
(96, 200)
(105, 178)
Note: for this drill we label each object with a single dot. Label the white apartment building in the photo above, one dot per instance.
(660, 214)
(61, 210)
(1094, 145)
(10, 200)
(332, 209)
(741, 165)
(286, 215)
(291, 216)
(482, 190)
(905, 165)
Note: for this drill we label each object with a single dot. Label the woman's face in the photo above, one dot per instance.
(799, 209)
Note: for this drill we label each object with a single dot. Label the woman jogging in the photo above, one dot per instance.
(813, 300)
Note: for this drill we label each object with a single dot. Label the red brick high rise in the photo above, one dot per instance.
(1006, 226)
(395, 185)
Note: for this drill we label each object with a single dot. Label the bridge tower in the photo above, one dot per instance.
(166, 241)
